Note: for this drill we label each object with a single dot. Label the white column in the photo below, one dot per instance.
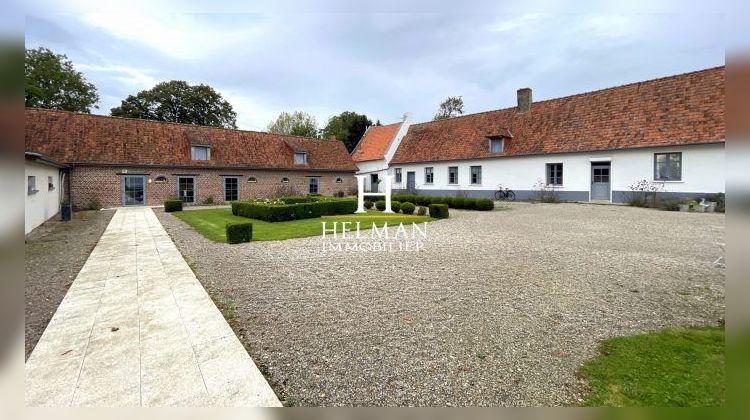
(388, 193)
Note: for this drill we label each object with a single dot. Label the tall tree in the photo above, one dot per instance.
(452, 106)
(53, 83)
(297, 123)
(177, 101)
(347, 127)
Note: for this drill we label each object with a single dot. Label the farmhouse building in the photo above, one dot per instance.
(113, 161)
(587, 147)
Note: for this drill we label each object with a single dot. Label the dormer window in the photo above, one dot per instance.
(300, 158)
(200, 153)
(497, 145)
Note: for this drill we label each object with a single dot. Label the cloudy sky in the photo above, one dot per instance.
(380, 64)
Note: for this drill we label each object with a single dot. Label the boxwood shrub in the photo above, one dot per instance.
(422, 211)
(407, 208)
(396, 206)
(439, 211)
(485, 204)
(172, 205)
(279, 211)
(369, 204)
(380, 205)
(239, 232)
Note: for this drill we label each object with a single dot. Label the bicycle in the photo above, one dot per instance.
(506, 194)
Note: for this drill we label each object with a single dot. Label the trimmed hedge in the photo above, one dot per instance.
(172, 205)
(422, 211)
(380, 205)
(407, 208)
(454, 202)
(439, 211)
(239, 232)
(369, 204)
(271, 212)
(396, 206)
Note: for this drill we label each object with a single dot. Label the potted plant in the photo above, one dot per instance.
(66, 210)
(692, 205)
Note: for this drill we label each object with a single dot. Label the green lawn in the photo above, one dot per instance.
(676, 367)
(211, 223)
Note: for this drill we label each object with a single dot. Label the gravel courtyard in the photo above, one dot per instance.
(500, 308)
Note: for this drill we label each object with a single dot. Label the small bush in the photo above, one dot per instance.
(439, 211)
(369, 204)
(407, 208)
(380, 205)
(95, 204)
(719, 198)
(669, 204)
(459, 202)
(239, 232)
(470, 203)
(422, 211)
(395, 206)
(172, 205)
(484, 204)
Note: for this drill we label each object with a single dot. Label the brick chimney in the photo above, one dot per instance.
(524, 100)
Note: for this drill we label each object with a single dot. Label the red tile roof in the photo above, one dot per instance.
(683, 109)
(81, 138)
(375, 142)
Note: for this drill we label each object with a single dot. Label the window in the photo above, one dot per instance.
(50, 183)
(300, 158)
(31, 185)
(668, 166)
(313, 184)
(453, 174)
(160, 179)
(397, 172)
(200, 153)
(339, 180)
(252, 179)
(284, 180)
(231, 189)
(186, 189)
(554, 174)
(476, 175)
(428, 175)
(497, 145)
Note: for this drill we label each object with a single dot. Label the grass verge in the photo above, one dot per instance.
(673, 367)
(211, 223)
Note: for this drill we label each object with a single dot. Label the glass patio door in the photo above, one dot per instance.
(133, 190)
(186, 189)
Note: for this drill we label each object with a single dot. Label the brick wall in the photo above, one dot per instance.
(90, 184)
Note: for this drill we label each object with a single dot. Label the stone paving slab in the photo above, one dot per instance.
(136, 328)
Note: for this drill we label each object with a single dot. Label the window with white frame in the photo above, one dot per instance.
(497, 145)
(668, 166)
(397, 173)
(31, 185)
(476, 175)
(200, 153)
(555, 174)
(453, 174)
(428, 175)
(300, 158)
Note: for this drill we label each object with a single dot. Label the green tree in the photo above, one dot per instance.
(52, 83)
(177, 101)
(347, 127)
(452, 106)
(297, 123)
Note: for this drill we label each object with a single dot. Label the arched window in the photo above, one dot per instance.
(284, 180)
(160, 179)
(252, 179)
(339, 180)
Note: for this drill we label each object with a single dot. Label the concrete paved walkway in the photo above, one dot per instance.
(136, 328)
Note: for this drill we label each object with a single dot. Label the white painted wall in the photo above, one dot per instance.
(702, 170)
(45, 203)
